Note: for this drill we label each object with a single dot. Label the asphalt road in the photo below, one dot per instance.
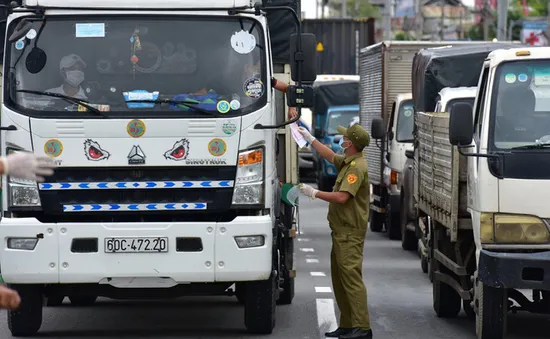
(400, 302)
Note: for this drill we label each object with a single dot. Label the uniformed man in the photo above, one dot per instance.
(348, 213)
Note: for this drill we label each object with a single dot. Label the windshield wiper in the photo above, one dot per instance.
(66, 98)
(186, 103)
(533, 146)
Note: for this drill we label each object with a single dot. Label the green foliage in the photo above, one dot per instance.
(365, 9)
(402, 35)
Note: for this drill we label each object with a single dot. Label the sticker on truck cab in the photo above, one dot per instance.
(94, 152)
(217, 147)
(53, 148)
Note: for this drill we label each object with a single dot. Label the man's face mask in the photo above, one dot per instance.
(74, 77)
(344, 145)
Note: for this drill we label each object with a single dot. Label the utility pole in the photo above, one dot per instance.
(485, 15)
(387, 22)
(344, 8)
(502, 19)
(419, 19)
(442, 24)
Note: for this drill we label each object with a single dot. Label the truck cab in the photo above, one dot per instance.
(171, 150)
(329, 136)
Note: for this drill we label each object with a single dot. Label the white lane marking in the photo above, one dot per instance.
(312, 261)
(317, 274)
(307, 250)
(303, 239)
(326, 317)
(323, 289)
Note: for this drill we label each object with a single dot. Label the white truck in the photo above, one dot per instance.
(171, 152)
(481, 181)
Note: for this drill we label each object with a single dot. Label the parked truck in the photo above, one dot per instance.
(481, 176)
(385, 70)
(171, 152)
(336, 103)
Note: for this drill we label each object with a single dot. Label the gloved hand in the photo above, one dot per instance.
(308, 191)
(9, 299)
(309, 138)
(25, 165)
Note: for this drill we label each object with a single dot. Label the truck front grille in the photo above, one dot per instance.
(108, 194)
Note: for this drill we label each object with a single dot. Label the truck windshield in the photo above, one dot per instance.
(153, 66)
(520, 105)
(339, 118)
(405, 122)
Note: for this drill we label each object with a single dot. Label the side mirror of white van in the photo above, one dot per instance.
(461, 127)
(377, 129)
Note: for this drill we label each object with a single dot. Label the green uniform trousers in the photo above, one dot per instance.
(346, 261)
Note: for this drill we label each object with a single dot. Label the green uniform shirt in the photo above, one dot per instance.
(352, 178)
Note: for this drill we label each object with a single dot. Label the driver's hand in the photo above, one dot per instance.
(25, 165)
(292, 113)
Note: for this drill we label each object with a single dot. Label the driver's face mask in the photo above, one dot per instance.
(74, 77)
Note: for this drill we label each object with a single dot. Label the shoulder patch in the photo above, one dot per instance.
(352, 178)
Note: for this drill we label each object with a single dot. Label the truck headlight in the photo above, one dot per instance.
(249, 184)
(23, 193)
(513, 229)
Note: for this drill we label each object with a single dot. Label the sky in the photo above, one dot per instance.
(309, 6)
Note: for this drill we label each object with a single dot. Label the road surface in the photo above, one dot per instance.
(400, 302)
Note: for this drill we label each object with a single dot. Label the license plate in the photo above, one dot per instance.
(136, 245)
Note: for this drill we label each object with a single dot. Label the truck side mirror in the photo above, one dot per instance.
(377, 129)
(461, 127)
(307, 56)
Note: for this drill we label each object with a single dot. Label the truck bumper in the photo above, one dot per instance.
(515, 270)
(217, 259)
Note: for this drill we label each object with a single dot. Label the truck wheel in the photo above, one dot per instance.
(240, 293)
(259, 306)
(424, 264)
(55, 301)
(491, 312)
(286, 296)
(409, 242)
(376, 221)
(83, 300)
(447, 303)
(393, 223)
(27, 319)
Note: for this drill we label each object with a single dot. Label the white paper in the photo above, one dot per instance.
(298, 137)
(243, 42)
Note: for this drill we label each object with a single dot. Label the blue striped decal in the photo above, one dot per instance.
(134, 185)
(134, 207)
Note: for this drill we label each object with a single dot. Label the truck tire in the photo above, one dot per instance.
(27, 319)
(376, 221)
(286, 296)
(393, 222)
(83, 300)
(240, 293)
(260, 304)
(491, 312)
(424, 264)
(409, 242)
(447, 303)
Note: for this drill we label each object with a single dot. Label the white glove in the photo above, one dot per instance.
(309, 138)
(308, 191)
(25, 165)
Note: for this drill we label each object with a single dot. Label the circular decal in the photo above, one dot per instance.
(243, 42)
(31, 34)
(229, 128)
(136, 128)
(235, 104)
(217, 147)
(522, 77)
(53, 148)
(253, 88)
(408, 112)
(223, 106)
(19, 44)
(510, 78)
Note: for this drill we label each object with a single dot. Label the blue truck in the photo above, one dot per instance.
(336, 103)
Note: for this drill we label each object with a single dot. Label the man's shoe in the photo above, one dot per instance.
(338, 332)
(357, 333)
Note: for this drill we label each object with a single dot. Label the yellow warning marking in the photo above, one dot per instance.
(320, 47)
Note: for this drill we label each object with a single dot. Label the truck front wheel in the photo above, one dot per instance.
(447, 303)
(492, 309)
(376, 221)
(27, 319)
(259, 305)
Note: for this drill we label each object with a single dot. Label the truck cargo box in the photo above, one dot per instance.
(341, 40)
(385, 70)
(450, 66)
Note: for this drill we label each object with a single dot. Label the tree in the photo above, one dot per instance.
(364, 8)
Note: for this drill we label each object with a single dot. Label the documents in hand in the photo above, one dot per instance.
(298, 137)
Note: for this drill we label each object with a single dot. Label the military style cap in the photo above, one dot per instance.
(356, 134)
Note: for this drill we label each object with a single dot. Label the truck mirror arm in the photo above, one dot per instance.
(477, 155)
